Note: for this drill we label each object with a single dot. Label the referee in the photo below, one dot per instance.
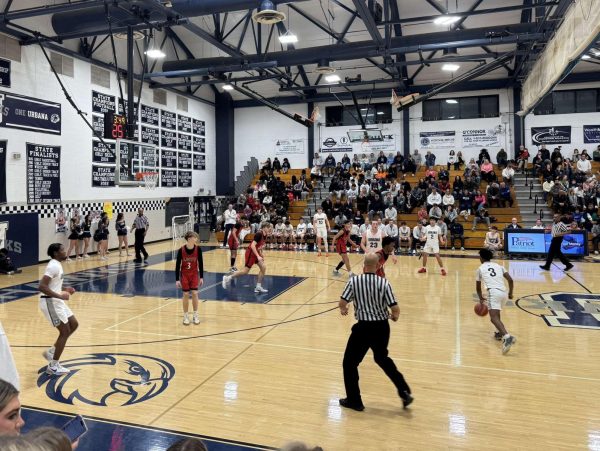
(372, 296)
(559, 230)
(140, 225)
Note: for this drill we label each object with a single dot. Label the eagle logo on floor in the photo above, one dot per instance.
(575, 310)
(108, 379)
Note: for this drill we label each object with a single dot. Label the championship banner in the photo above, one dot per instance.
(437, 140)
(551, 135)
(43, 174)
(102, 103)
(27, 113)
(591, 134)
(481, 138)
(2, 172)
(289, 147)
(4, 73)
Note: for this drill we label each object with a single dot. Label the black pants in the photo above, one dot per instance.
(139, 244)
(228, 228)
(555, 251)
(367, 335)
(595, 241)
(453, 238)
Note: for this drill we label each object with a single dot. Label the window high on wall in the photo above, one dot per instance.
(375, 113)
(570, 101)
(461, 108)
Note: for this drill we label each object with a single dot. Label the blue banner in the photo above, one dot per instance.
(551, 135)
(4, 73)
(2, 172)
(537, 241)
(22, 238)
(591, 134)
(27, 113)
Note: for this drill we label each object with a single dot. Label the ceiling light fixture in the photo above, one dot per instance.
(153, 50)
(227, 88)
(288, 38)
(451, 101)
(450, 67)
(333, 78)
(446, 20)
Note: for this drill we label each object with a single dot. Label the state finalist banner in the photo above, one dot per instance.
(551, 135)
(591, 134)
(480, 138)
(43, 174)
(27, 113)
(437, 140)
(289, 147)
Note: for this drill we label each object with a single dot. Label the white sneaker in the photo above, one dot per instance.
(186, 320)
(68, 259)
(260, 290)
(196, 319)
(225, 282)
(453, 248)
(507, 343)
(48, 354)
(57, 370)
(595, 252)
(86, 256)
(78, 258)
(462, 248)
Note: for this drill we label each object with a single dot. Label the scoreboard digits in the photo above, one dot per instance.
(115, 126)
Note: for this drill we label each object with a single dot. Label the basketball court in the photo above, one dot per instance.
(261, 369)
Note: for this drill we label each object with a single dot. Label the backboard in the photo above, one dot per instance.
(133, 158)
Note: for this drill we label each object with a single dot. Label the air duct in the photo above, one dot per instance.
(93, 19)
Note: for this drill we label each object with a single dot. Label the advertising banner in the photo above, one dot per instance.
(591, 134)
(551, 135)
(480, 138)
(437, 140)
(289, 147)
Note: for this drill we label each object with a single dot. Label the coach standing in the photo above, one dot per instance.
(141, 226)
(559, 230)
(373, 297)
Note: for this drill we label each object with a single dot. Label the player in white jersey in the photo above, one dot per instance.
(289, 235)
(300, 232)
(493, 275)
(321, 224)
(405, 235)
(279, 232)
(432, 245)
(371, 239)
(54, 308)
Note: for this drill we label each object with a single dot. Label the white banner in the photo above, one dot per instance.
(289, 147)
(480, 138)
(437, 140)
(341, 144)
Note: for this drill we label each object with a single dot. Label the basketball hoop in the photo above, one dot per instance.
(150, 179)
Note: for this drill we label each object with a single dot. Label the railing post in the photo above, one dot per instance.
(531, 192)
(535, 204)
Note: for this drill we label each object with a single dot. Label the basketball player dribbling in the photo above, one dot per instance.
(189, 275)
(388, 245)
(254, 256)
(234, 243)
(493, 275)
(321, 224)
(340, 243)
(55, 310)
(432, 245)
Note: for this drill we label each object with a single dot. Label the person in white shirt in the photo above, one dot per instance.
(364, 226)
(547, 187)
(405, 237)
(419, 237)
(289, 235)
(584, 165)
(508, 174)
(300, 232)
(390, 213)
(230, 218)
(352, 193)
(432, 245)
(391, 229)
(52, 305)
(538, 224)
(448, 199)
(279, 232)
(321, 225)
(317, 161)
(371, 239)
(493, 240)
(493, 275)
(434, 198)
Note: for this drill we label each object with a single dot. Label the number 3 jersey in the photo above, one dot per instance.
(189, 261)
(492, 275)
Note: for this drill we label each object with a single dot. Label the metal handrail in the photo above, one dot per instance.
(531, 191)
(525, 170)
(535, 205)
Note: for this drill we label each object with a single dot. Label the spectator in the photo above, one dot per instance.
(451, 160)
(457, 233)
(6, 264)
(482, 215)
(189, 444)
(450, 215)
(346, 161)
(448, 199)
(547, 187)
(538, 225)
(230, 217)
(523, 159)
(329, 165)
(276, 165)
(513, 224)
(267, 165)
(487, 171)
(457, 186)
(375, 207)
(538, 163)
(285, 166)
(10, 409)
(419, 237)
(508, 174)
(493, 240)
(317, 161)
(596, 154)
(459, 160)
(443, 231)
(584, 166)
(418, 160)
(340, 220)
(545, 152)
(595, 235)
(327, 206)
(430, 174)
(465, 202)
(405, 236)
(493, 194)
(435, 212)
(505, 195)
(390, 213)
(483, 155)
(391, 230)
(422, 214)
(434, 198)
(410, 166)
(382, 160)
(429, 160)
(479, 199)
(501, 158)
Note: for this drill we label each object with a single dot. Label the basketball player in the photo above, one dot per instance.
(339, 243)
(493, 240)
(321, 224)
(405, 235)
(253, 256)
(388, 245)
(279, 232)
(432, 245)
(234, 242)
(53, 306)
(493, 275)
(371, 239)
(300, 232)
(189, 264)
(288, 233)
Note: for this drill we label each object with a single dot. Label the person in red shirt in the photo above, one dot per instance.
(254, 256)
(388, 245)
(234, 242)
(340, 243)
(189, 275)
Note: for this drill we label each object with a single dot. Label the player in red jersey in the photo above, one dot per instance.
(189, 274)
(234, 242)
(340, 243)
(388, 245)
(254, 256)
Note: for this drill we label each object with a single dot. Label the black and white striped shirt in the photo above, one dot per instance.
(372, 296)
(141, 222)
(558, 228)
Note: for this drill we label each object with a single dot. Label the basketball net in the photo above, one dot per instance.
(315, 115)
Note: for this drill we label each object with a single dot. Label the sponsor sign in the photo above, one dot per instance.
(27, 113)
(289, 147)
(480, 138)
(551, 135)
(21, 239)
(336, 144)
(591, 134)
(437, 140)
(530, 241)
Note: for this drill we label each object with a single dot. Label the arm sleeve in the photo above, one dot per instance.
(478, 276)
(178, 265)
(200, 263)
(348, 294)
(389, 295)
(51, 271)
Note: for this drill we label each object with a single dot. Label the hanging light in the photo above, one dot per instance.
(288, 38)
(154, 51)
(227, 88)
(446, 20)
(450, 67)
(333, 78)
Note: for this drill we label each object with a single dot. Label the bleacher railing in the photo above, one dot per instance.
(242, 182)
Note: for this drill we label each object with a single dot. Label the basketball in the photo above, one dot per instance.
(480, 309)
